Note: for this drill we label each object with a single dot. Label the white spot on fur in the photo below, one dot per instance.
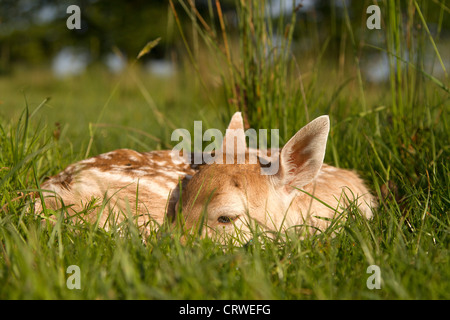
(90, 160)
(106, 156)
(133, 158)
(139, 172)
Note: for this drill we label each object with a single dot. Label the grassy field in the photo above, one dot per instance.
(395, 134)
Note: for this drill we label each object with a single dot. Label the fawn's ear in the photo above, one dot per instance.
(234, 135)
(302, 156)
(236, 121)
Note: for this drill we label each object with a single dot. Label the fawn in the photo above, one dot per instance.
(145, 184)
(303, 194)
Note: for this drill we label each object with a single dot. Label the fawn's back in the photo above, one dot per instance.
(123, 181)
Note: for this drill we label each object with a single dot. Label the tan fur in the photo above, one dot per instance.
(234, 196)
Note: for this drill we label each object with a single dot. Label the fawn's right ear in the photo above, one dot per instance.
(302, 156)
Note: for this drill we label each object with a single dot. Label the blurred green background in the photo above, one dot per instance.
(33, 32)
(92, 77)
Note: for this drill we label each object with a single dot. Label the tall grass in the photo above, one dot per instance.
(394, 134)
(253, 64)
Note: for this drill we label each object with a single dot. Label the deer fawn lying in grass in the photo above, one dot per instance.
(105, 189)
(304, 194)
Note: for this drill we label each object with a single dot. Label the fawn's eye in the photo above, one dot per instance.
(226, 219)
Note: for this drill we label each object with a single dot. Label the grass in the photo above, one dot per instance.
(399, 143)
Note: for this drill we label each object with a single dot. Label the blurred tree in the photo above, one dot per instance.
(33, 30)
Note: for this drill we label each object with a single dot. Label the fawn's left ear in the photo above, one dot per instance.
(236, 121)
(302, 156)
(234, 136)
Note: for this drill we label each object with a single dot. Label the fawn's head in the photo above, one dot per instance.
(229, 197)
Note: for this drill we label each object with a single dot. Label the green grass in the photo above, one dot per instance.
(398, 142)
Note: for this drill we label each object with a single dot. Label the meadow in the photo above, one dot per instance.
(395, 133)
